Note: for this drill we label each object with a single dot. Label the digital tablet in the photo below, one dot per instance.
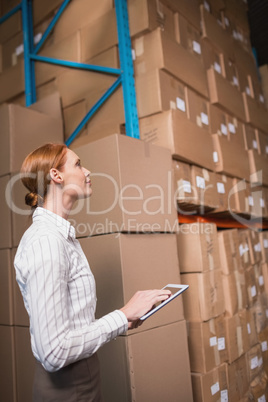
(175, 289)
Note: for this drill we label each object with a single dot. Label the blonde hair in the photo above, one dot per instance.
(35, 171)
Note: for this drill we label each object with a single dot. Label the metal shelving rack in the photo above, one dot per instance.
(125, 74)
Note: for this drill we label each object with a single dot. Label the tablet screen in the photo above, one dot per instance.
(175, 289)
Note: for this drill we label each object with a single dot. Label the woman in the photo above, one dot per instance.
(58, 286)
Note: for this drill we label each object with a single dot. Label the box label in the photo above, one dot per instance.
(235, 81)
(261, 98)
(257, 247)
(262, 204)
(254, 363)
(204, 118)
(265, 243)
(253, 291)
(224, 395)
(196, 47)
(250, 200)
(215, 388)
(213, 341)
(224, 129)
(215, 157)
(217, 67)
(200, 182)
(264, 347)
(187, 186)
(180, 104)
(220, 188)
(248, 91)
(266, 149)
(260, 362)
(231, 128)
(207, 6)
(262, 398)
(248, 327)
(221, 343)
(255, 144)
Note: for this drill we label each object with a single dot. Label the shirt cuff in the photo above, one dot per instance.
(115, 323)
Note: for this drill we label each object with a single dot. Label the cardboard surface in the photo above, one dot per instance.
(230, 294)
(12, 82)
(211, 386)
(197, 109)
(255, 114)
(228, 250)
(174, 131)
(5, 216)
(157, 50)
(258, 168)
(204, 298)
(234, 337)
(223, 93)
(120, 271)
(132, 190)
(206, 189)
(227, 161)
(7, 363)
(130, 366)
(23, 130)
(202, 237)
(238, 382)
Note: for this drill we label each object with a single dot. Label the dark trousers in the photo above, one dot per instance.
(77, 382)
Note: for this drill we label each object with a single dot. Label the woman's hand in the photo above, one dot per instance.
(141, 303)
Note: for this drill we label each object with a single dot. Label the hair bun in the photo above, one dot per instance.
(31, 199)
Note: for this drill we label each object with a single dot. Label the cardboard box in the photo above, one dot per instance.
(25, 364)
(185, 191)
(235, 129)
(218, 122)
(72, 116)
(212, 57)
(202, 237)
(189, 10)
(262, 338)
(262, 140)
(7, 365)
(250, 138)
(197, 109)
(228, 250)
(139, 199)
(211, 386)
(258, 168)
(12, 82)
(126, 362)
(5, 216)
(247, 318)
(214, 33)
(258, 269)
(11, 27)
(222, 93)
(158, 91)
(255, 250)
(241, 191)
(144, 16)
(265, 275)
(241, 290)
(231, 73)
(227, 161)
(205, 185)
(120, 271)
(174, 131)
(157, 50)
(264, 245)
(230, 294)
(254, 361)
(204, 346)
(255, 114)
(245, 60)
(258, 387)
(251, 286)
(67, 49)
(244, 248)
(23, 130)
(234, 337)
(188, 36)
(260, 312)
(42, 10)
(238, 382)
(6, 293)
(204, 298)
(226, 199)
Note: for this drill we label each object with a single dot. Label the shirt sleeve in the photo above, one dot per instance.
(54, 343)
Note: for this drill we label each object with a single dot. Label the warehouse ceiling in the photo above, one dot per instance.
(258, 22)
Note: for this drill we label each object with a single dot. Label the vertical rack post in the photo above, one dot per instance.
(28, 43)
(126, 64)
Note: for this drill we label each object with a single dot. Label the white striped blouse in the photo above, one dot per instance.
(59, 294)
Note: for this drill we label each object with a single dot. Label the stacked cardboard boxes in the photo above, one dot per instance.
(22, 130)
(127, 231)
(199, 96)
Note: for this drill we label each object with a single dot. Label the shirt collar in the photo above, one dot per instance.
(65, 227)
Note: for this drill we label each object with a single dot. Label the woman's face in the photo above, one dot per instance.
(76, 179)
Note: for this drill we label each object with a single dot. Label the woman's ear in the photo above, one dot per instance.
(56, 175)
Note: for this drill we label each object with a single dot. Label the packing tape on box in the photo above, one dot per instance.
(239, 340)
(213, 342)
(206, 174)
(239, 291)
(139, 46)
